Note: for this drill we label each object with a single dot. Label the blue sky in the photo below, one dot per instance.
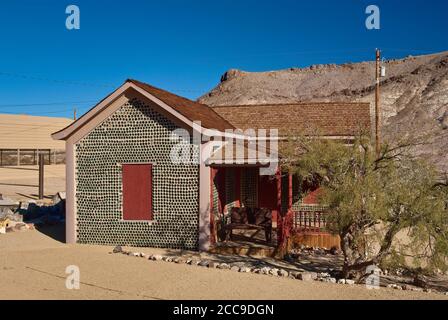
(185, 46)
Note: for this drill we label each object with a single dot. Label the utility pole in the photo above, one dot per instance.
(377, 104)
(74, 114)
(41, 175)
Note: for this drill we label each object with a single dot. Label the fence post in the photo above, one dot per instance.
(41, 176)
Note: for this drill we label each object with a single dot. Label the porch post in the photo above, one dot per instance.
(289, 192)
(278, 177)
(213, 174)
(204, 200)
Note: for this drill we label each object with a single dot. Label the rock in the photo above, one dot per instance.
(157, 257)
(283, 273)
(273, 272)
(167, 259)
(213, 265)
(203, 263)
(323, 275)
(332, 280)
(142, 255)
(265, 270)
(179, 260)
(235, 268)
(341, 281)
(21, 227)
(244, 269)
(427, 290)
(11, 229)
(256, 270)
(307, 276)
(334, 251)
(224, 266)
(117, 249)
(350, 282)
(136, 254)
(446, 293)
(194, 262)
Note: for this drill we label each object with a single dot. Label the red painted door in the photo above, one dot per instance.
(137, 191)
(267, 192)
(267, 195)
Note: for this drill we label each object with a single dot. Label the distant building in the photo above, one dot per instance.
(22, 137)
(123, 187)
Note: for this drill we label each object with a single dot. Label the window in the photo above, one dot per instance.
(137, 191)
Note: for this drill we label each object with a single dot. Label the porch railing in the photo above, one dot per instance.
(310, 219)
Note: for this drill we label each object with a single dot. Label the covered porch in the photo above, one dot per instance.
(253, 213)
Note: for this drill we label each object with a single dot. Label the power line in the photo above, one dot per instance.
(70, 82)
(80, 83)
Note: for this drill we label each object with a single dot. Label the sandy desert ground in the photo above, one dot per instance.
(33, 264)
(21, 183)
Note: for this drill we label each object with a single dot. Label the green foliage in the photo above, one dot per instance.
(384, 207)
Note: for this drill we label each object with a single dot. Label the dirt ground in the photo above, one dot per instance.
(21, 183)
(33, 264)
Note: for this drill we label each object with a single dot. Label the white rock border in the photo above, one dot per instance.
(274, 272)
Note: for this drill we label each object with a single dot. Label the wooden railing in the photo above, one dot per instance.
(310, 220)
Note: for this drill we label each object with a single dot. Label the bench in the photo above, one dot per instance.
(251, 219)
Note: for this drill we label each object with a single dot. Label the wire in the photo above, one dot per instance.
(81, 83)
(24, 76)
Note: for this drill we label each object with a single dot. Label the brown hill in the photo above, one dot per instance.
(414, 94)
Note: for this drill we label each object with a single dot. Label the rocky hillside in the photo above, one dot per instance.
(414, 94)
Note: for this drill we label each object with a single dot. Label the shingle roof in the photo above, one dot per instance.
(192, 110)
(326, 119)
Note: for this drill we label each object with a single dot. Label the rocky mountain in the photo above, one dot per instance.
(414, 94)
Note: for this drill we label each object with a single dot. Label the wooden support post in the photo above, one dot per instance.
(41, 175)
(34, 157)
(54, 156)
(289, 192)
(18, 157)
(278, 177)
(1, 157)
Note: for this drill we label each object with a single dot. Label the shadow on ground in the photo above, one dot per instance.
(56, 232)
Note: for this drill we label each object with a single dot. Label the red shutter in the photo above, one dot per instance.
(137, 191)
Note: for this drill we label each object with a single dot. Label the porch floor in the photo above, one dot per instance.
(243, 245)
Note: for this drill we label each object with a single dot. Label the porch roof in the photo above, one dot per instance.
(244, 154)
